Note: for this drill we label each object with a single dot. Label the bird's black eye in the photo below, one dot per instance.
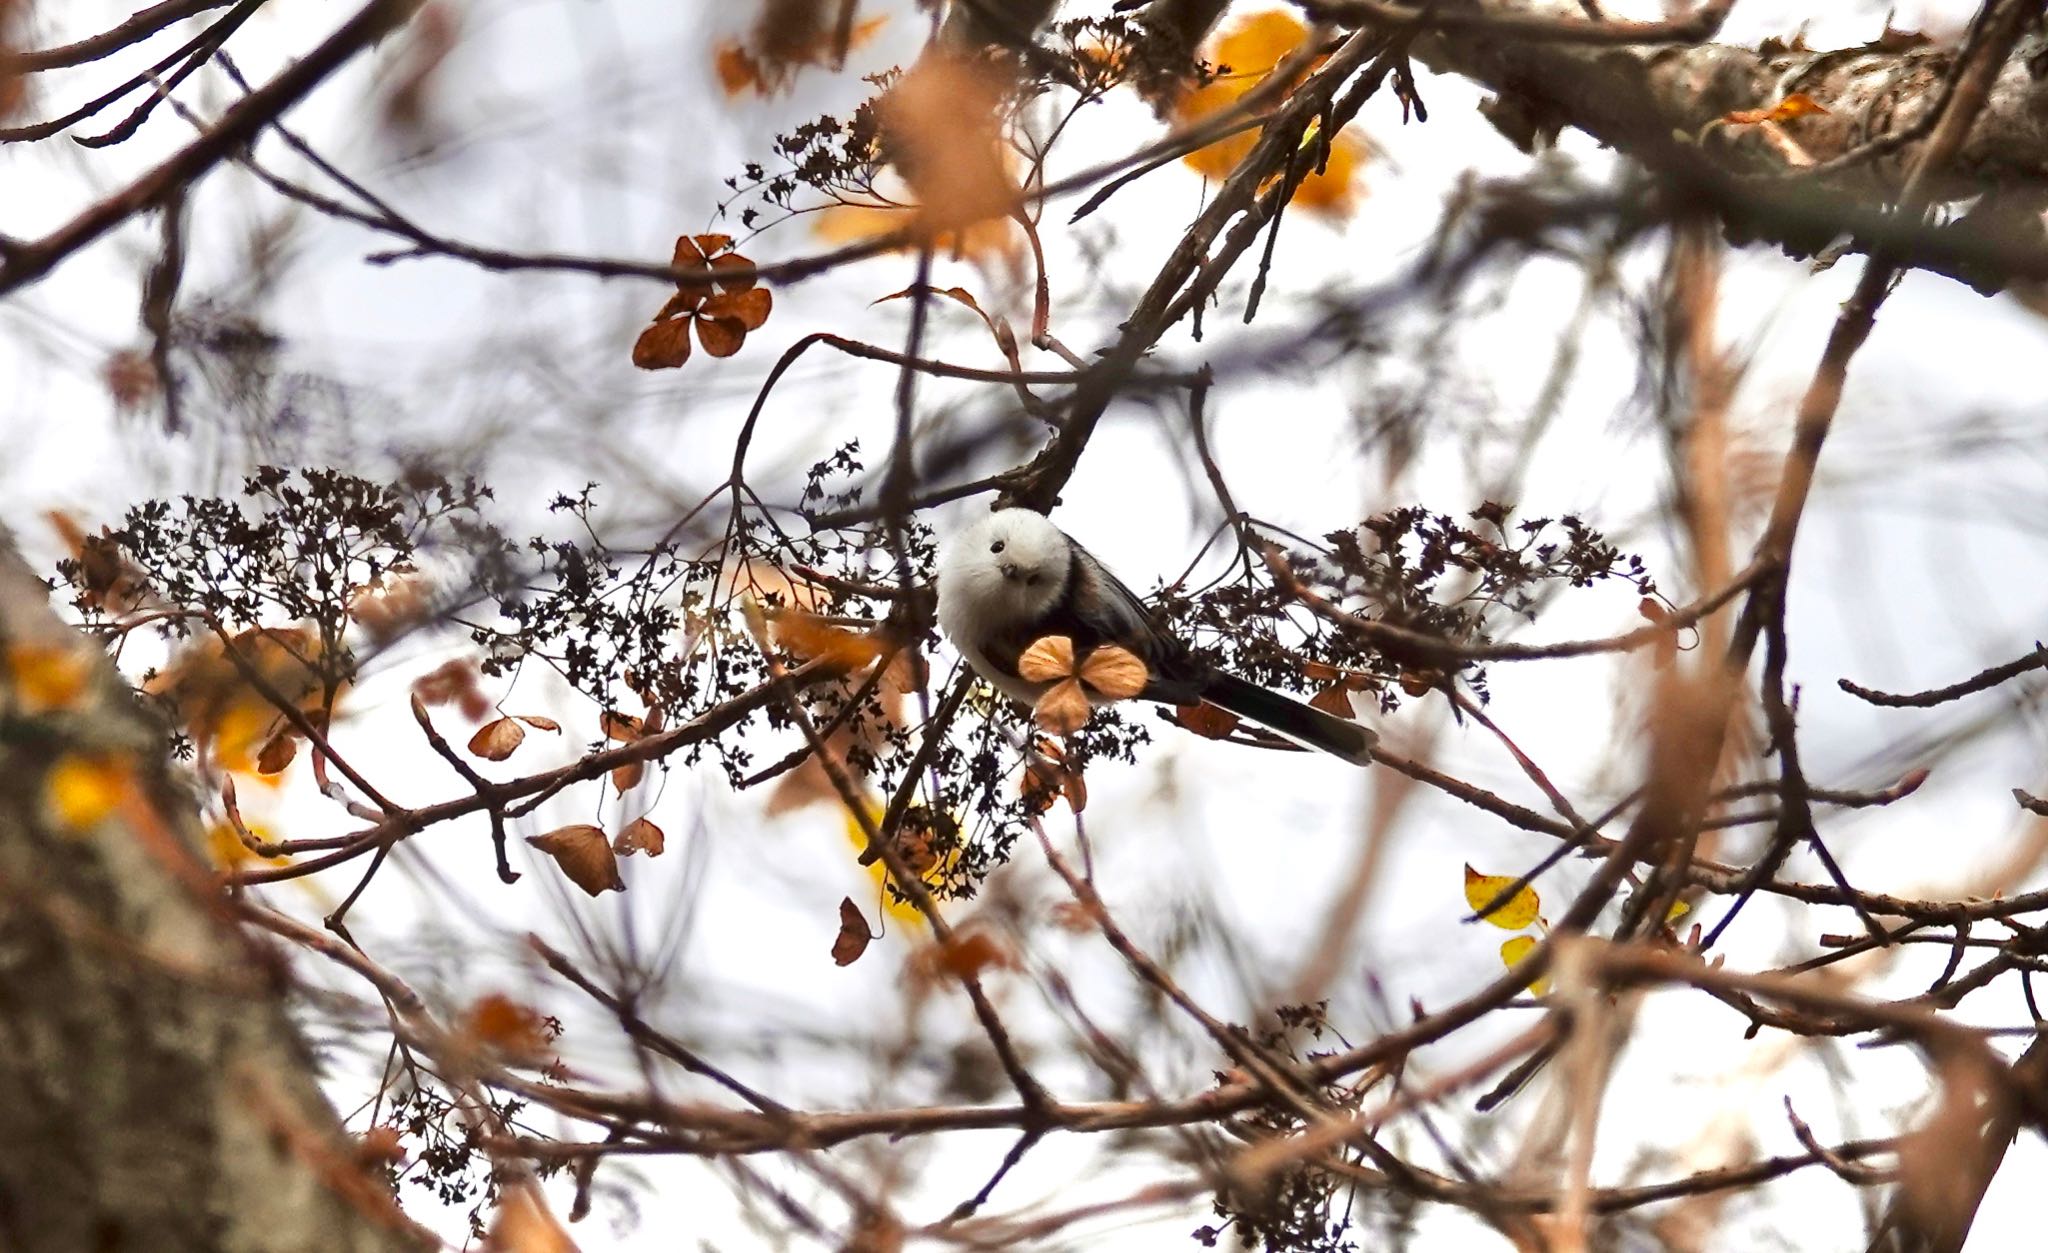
(996, 547)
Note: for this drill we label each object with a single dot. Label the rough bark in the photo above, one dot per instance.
(153, 1094)
(1661, 105)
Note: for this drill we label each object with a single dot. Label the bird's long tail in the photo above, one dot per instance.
(1304, 724)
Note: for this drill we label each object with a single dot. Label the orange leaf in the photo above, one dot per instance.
(721, 337)
(584, 855)
(966, 956)
(663, 346)
(853, 936)
(539, 723)
(939, 123)
(1207, 720)
(1796, 105)
(640, 836)
(627, 777)
(503, 1023)
(495, 740)
(808, 637)
(620, 726)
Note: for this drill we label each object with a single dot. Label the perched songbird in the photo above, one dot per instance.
(1014, 578)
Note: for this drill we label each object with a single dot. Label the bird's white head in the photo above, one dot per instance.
(1012, 565)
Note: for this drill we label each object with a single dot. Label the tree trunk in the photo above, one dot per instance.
(153, 1093)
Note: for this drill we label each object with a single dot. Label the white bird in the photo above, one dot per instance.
(1013, 578)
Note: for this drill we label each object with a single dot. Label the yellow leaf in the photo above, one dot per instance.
(1516, 912)
(1679, 909)
(46, 678)
(1513, 950)
(1250, 49)
(80, 790)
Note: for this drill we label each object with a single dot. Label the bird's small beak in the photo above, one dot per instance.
(1009, 571)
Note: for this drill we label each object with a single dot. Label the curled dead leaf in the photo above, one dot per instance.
(539, 723)
(584, 855)
(618, 726)
(1333, 700)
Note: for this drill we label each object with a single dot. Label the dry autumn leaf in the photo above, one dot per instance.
(495, 740)
(963, 957)
(1048, 660)
(539, 723)
(454, 681)
(1516, 912)
(640, 836)
(618, 726)
(584, 855)
(853, 936)
(1063, 709)
(627, 777)
(941, 129)
(722, 311)
(790, 35)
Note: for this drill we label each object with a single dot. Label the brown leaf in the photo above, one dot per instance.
(584, 855)
(539, 723)
(853, 936)
(1207, 720)
(735, 283)
(627, 777)
(1333, 700)
(1115, 672)
(748, 308)
(663, 346)
(640, 836)
(618, 726)
(495, 740)
(721, 337)
(278, 753)
(1063, 709)
(1047, 660)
